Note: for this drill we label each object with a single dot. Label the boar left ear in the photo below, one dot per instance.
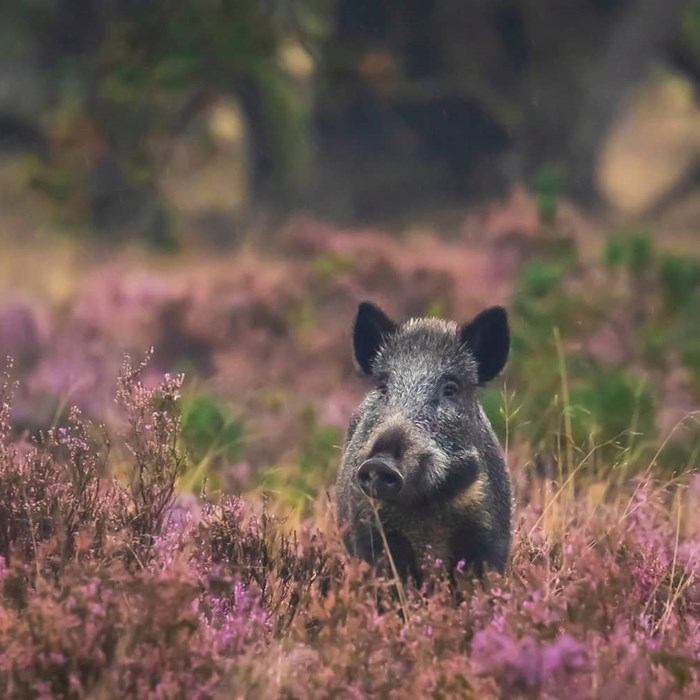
(488, 338)
(371, 327)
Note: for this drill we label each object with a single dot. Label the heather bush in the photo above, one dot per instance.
(262, 337)
(110, 586)
(44, 507)
(129, 569)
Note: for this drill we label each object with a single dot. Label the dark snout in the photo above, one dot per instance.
(379, 478)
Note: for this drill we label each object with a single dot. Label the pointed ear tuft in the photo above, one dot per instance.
(488, 338)
(371, 327)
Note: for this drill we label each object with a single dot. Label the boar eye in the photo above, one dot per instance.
(450, 389)
(382, 387)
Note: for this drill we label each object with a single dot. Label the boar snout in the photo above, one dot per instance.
(379, 478)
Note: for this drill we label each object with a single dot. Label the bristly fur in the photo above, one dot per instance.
(456, 497)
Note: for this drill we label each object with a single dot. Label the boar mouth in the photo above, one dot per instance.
(380, 478)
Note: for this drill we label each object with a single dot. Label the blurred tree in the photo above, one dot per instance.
(363, 104)
(119, 78)
(641, 29)
(485, 91)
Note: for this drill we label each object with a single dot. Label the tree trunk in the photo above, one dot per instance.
(622, 62)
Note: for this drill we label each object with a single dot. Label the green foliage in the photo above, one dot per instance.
(321, 451)
(327, 266)
(209, 428)
(539, 279)
(609, 403)
(691, 25)
(679, 279)
(435, 308)
(212, 435)
(314, 467)
(213, 47)
(596, 402)
(670, 278)
(632, 251)
(678, 457)
(691, 357)
(548, 191)
(564, 389)
(653, 338)
(494, 407)
(541, 301)
(148, 67)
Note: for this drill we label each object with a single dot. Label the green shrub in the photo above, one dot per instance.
(212, 435)
(679, 279)
(633, 251)
(548, 191)
(539, 279)
(610, 405)
(297, 486)
(492, 401)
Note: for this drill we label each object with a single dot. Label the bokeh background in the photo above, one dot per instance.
(224, 181)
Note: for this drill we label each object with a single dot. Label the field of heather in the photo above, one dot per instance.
(196, 197)
(170, 432)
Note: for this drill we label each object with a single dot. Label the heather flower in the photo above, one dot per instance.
(526, 664)
(115, 584)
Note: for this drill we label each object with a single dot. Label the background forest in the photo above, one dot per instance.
(223, 182)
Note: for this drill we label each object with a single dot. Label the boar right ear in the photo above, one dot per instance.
(371, 327)
(488, 338)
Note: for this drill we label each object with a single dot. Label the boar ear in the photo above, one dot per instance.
(372, 325)
(488, 338)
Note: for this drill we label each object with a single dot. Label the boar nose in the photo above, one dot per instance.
(379, 478)
(390, 444)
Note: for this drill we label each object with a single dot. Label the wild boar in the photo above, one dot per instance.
(421, 461)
